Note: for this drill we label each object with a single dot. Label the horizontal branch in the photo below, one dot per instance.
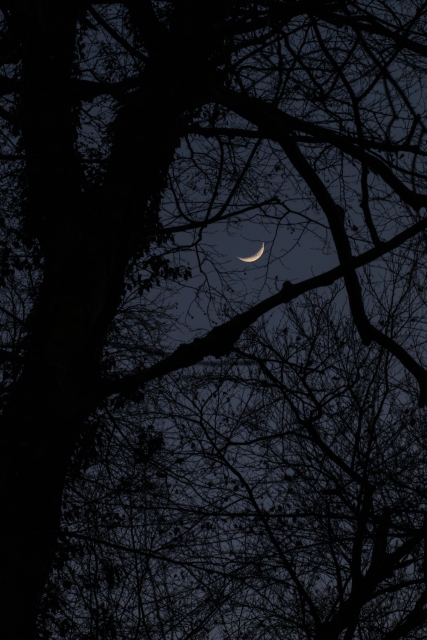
(89, 90)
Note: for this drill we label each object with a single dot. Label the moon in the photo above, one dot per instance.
(256, 255)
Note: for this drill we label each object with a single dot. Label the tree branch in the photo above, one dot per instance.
(221, 339)
(335, 217)
(88, 90)
(117, 37)
(274, 124)
(373, 27)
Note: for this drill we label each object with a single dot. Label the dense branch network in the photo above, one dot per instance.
(270, 468)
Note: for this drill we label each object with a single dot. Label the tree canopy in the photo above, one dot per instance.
(193, 447)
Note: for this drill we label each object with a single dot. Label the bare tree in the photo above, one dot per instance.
(132, 133)
(281, 494)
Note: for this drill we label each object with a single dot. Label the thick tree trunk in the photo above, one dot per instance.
(86, 243)
(87, 236)
(46, 412)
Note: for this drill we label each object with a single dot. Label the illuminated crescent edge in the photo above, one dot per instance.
(256, 255)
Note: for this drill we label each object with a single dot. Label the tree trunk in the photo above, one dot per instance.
(86, 241)
(87, 235)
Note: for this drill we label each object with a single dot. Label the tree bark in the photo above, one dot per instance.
(86, 236)
(86, 240)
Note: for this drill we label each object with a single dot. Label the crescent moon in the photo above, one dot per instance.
(256, 255)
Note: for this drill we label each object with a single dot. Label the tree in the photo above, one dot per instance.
(287, 500)
(128, 125)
